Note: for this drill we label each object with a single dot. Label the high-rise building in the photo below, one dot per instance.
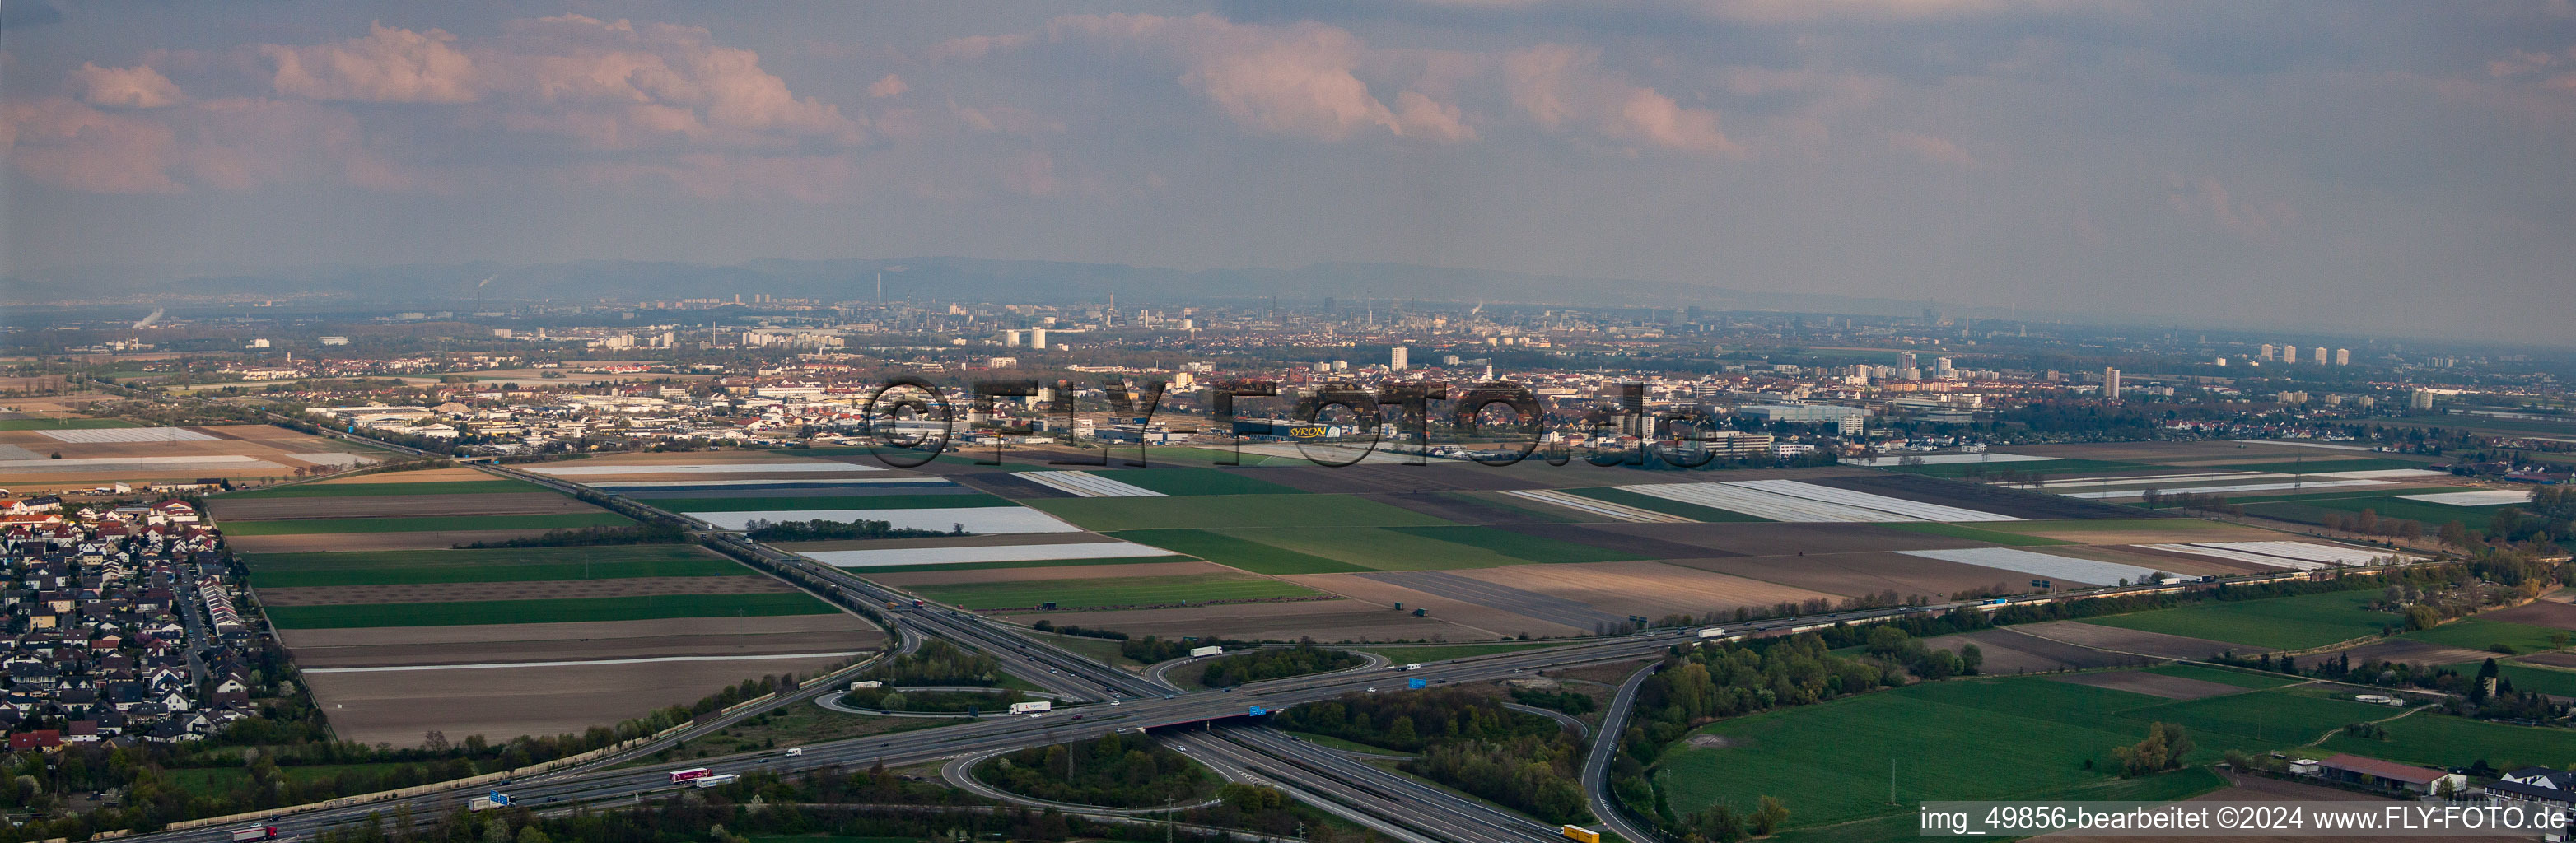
(2268, 351)
(1905, 360)
(1037, 338)
(2421, 399)
(2343, 357)
(1400, 358)
(2321, 355)
(2110, 383)
(2289, 352)
(1011, 338)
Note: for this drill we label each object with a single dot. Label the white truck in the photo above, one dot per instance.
(866, 683)
(1031, 707)
(1712, 632)
(1413, 666)
(257, 832)
(1202, 652)
(717, 780)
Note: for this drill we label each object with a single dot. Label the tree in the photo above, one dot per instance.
(1769, 816)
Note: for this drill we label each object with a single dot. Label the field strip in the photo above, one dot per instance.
(702, 468)
(2385, 474)
(1323, 453)
(2482, 497)
(101, 436)
(1605, 509)
(2298, 444)
(976, 519)
(1085, 484)
(2205, 476)
(1762, 504)
(1947, 459)
(1522, 602)
(576, 663)
(2211, 490)
(2237, 556)
(2306, 552)
(1917, 510)
(966, 555)
(104, 463)
(333, 458)
(818, 483)
(2046, 565)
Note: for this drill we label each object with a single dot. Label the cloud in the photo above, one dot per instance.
(890, 86)
(1786, 11)
(1565, 89)
(1296, 80)
(124, 87)
(63, 143)
(2206, 199)
(389, 65)
(973, 47)
(1932, 150)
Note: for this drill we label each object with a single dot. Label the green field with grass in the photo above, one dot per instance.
(1199, 481)
(1829, 762)
(64, 424)
(2525, 677)
(534, 564)
(2281, 623)
(1237, 552)
(2475, 634)
(1521, 546)
(2224, 676)
(575, 610)
(424, 523)
(2058, 468)
(830, 502)
(1962, 531)
(1651, 503)
(2431, 515)
(2436, 740)
(1231, 511)
(1031, 563)
(2319, 466)
(1134, 591)
(373, 490)
(1443, 652)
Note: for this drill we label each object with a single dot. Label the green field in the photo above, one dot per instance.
(1962, 531)
(424, 523)
(1445, 652)
(64, 424)
(1237, 552)
(577, 610)
(1651, 503)
(832, 502)
(1394, 549)
(536, 564)
(2436, 740)
(1136, 591)
(1199, 481)
(2313, 509)
(1517, 545)
(1830, 762)
(1231, 511)
(371, 490)
(2554, 681)
(2283, 623)
(2475, 634)
(2224, 676)
(2059, 468)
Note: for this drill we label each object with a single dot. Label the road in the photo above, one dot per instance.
(1218, 727)
(1596, 764)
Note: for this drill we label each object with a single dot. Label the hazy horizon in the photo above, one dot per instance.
(2390, 167)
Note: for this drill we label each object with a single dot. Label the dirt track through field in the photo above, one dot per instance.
(542, 590)
(2152, 684)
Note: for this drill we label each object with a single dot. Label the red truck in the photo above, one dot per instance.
(678, 776)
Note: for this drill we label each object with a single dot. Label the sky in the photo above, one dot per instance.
(2353, 166)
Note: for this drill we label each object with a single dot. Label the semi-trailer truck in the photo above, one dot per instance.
(1032, 707)
(257, 832)
(1201, 652)
(1712, 632)
(691, 774)
(718, 780)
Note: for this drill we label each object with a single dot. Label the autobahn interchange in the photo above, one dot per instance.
(1228, 732)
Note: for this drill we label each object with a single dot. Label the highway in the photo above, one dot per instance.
(1219, 727)
(1597, 762)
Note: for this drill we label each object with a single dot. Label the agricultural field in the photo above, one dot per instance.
(2439, 741)
(1838, 752)
(1113, 514)
(398, 633)
(2285, 623)
(2479, 633)
(74, 455)
(1118, 593)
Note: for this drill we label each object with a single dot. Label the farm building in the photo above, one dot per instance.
(2355, 769)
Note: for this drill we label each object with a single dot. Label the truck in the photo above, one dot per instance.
(691, 774)
(485, 803)
(1032, 707)
(866, 683)
(916, 604)
(1712, 632)
(1202, 652)
(718, 780)
(257, 832)
(1413, 666)
(1576, 832)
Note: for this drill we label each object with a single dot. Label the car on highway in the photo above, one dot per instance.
(1369, 690)
(795, 751)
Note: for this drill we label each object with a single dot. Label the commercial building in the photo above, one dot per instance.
(2110, 383)
(1399, 358)
(1844, 419)
(2343, 357)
